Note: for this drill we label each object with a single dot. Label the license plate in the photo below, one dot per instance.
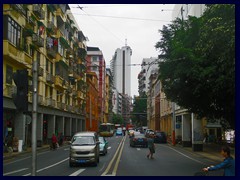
(140, 140)
(81, 161)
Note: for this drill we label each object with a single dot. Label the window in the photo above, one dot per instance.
(94, 58)
(14, 32)
(60, 49)
(9, 74)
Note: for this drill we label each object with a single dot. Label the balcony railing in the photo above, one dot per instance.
(40, 99)
(10, 90)
(19, 8)
(50, 78)
(37, 9)
(51, 102)
(39, 41)
(58, 81)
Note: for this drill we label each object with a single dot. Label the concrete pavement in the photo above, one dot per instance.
(211, 151)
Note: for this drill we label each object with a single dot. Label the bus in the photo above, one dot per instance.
(106, 129)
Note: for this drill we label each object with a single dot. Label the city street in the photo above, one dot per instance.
(121, 160)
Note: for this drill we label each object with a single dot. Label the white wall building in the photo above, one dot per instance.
(184, 10)
(121, 70)
(148, 66)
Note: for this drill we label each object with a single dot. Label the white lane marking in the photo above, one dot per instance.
(109, 147)
(27, 174)
(187, 156)
(138, 149)
(52, 165)
(66, 149)
(77, 172)
(49, 166)
(12, 172)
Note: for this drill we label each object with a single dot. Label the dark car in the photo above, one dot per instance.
(138, 140)
(160, 137)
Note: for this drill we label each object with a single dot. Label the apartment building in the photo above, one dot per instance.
(96, 63)
(92, 107)
(48, 34)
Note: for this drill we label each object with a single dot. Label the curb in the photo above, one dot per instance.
(13, 154)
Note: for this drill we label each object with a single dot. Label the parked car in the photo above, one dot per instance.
(148, 131)
(119, 132)
(130, 133)
(103, 145)
(84, 148)
(160, 137)
(138, 140)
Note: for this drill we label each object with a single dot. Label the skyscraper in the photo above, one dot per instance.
(121, 70)
(120, 66)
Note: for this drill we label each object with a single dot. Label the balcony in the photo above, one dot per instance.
(40, 71)
(38, 11)
(10, 90)
(51, 102)
(50, 78)
(61, 105)
(37, 40)
(13, 53)
(58, 82)
(40, 100)
(52, 52)
(51, 28)
(19, 8)
(80, 95)
(31, 21)
(69, 89)
(61, 17)
(69, 108)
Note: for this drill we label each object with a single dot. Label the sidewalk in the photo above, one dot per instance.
(12, 155)
(210, 150)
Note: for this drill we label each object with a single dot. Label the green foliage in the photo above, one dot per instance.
(139, 118)
(198, 67)
(117, 119)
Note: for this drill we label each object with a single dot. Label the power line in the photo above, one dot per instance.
(119, 17)
(81, 8)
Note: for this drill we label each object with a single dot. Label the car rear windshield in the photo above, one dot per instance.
(139, 136)
(83, 140)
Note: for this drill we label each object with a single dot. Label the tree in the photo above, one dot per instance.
(198, 67)
(139, 116)
(117, 119)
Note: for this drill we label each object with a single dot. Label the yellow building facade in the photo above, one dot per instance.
(45, 33)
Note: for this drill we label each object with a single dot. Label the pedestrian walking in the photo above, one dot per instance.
(60, 139)
(151, 146)
(54, 141)
(228, 163)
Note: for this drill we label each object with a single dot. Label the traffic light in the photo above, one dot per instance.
(21, 98)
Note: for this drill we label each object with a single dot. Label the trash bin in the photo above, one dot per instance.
(15, 144)
(20, 145)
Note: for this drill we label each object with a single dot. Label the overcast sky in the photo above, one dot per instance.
(108, 25)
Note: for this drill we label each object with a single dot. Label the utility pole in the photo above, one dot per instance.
(173, 124)
(34, 117)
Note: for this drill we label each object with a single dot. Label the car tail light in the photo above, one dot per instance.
(134, 139)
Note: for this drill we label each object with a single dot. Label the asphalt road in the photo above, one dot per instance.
(121, 160)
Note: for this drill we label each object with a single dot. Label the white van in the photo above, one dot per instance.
(84, 148)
